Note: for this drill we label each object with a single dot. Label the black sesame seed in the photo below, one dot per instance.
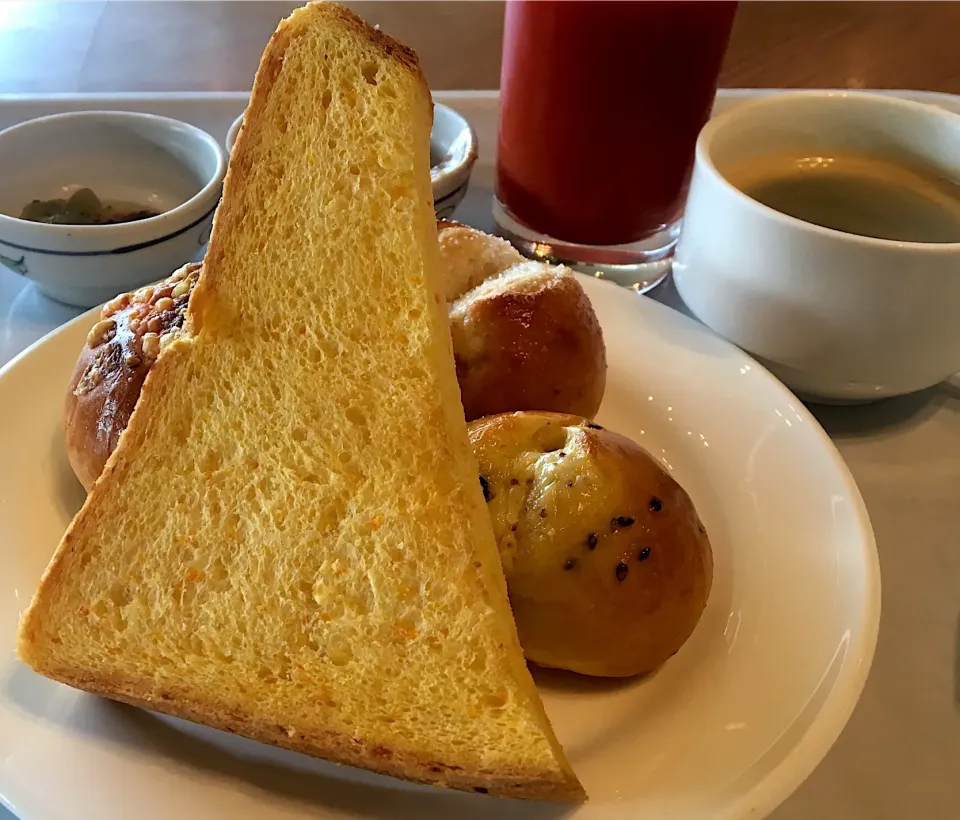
(485, 486)
(569, 483)
(513, 528)
(543, 513)
(621, 571)
(569, 564)
(655, 504)
(621, 521)
(514, 481)
(593, 426)
(592, 540)
(481, 790)
(644, 554)
(563, 454)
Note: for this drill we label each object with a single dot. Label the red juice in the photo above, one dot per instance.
(601, 105)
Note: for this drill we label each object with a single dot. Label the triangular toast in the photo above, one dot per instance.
(290, 541)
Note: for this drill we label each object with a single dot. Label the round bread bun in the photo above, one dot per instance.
(525, 336)
(607, 563)
(119, 352)
(528, 339)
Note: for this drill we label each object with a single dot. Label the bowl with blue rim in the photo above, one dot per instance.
(453, 153)
(95, 203)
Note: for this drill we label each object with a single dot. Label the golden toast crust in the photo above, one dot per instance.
(335, 747)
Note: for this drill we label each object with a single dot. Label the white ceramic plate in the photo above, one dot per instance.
(727, 729)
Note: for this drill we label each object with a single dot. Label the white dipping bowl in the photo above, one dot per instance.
(159, 163)
(453, 152)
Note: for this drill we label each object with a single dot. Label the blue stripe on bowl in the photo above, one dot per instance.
(159, 239)
(124, 249)
(452, 194)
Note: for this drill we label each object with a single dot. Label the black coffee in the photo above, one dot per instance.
(857, 194)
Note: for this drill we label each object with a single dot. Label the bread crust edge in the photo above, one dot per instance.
(334, 747)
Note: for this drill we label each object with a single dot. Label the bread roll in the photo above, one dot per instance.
(528, 339)
(608, 565)
(113, 364)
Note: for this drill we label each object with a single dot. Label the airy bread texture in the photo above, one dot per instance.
(525, 336)
(290, 541)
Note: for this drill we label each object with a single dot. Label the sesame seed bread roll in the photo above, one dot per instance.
(607, 562)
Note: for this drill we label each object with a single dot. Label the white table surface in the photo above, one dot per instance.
(899, 757)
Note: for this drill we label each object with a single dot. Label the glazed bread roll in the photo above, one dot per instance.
(528, 339)
(119, 352)
(525, 337)
(608, 565)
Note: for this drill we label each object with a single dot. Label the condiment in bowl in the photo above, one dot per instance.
(84, 207)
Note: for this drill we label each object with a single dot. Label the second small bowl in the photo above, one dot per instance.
(453, 152)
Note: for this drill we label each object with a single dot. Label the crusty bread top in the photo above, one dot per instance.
(469, 257)
(290, 540)
(113, 364)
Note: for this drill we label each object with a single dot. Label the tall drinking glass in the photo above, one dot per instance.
(601, 104)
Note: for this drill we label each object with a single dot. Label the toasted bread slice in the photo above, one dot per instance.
(290, 541)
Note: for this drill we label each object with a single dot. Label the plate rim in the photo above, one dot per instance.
(838, 707)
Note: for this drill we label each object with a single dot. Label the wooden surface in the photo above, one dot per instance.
(164, 45)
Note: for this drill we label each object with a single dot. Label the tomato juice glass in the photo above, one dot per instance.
(601, 102)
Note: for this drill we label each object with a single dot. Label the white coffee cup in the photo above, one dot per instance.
(835, 316)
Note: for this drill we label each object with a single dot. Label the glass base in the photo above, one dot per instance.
(640, 266)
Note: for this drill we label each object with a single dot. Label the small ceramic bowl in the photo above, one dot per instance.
(453, 152)
(158, 163)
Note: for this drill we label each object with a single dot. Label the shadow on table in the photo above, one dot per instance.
(887, 415)
(264, 771)
(30, 308)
